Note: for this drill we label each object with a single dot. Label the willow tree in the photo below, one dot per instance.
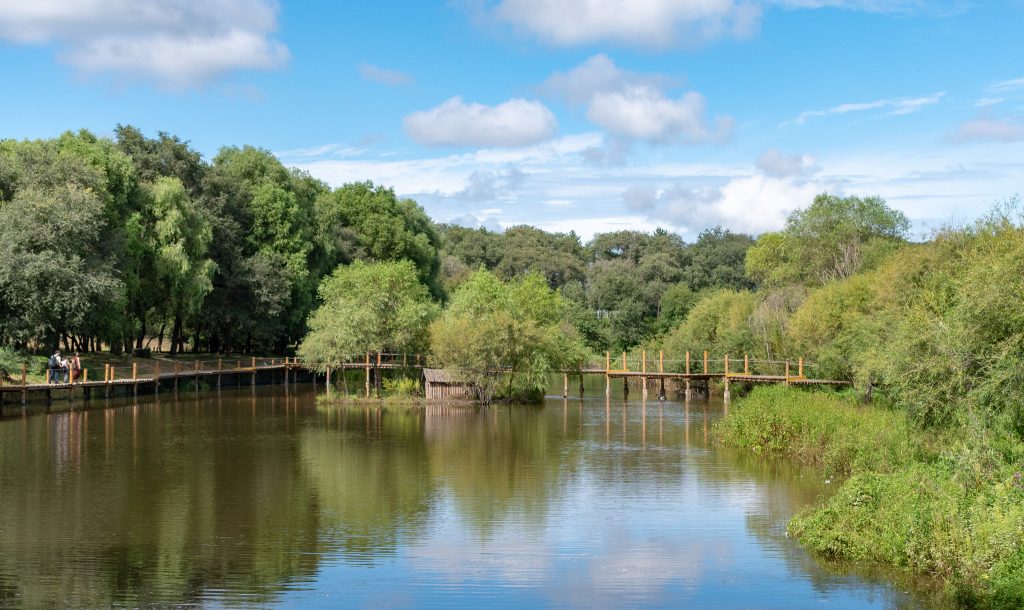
(518, 329)
(368, 308)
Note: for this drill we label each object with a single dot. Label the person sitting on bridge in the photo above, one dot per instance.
(54, 366)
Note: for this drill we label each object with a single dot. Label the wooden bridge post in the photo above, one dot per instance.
(177, 373)
(135, 379)
(378, 377)
(725, 394)
(800, 371)
(607, 375)
(24, 383)
(661, 370)
(643, 369)
(328, 380)
(195, 382)
(110, 380)
(238, 374)
(705, 363)
(367, 374)
(156, 378)
(565, 385)
(286, 367)
(220, 370)
(253, 382)
(746, 365)
(787, 372)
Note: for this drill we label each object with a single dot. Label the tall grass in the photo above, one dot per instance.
(950, 505)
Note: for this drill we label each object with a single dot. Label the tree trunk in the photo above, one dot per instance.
(176, 334)
(142, 334)
(160, 337)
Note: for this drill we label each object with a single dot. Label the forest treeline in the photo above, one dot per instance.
(137, 242)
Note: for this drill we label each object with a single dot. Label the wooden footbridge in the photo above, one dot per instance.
(154, 375)
(689, 373)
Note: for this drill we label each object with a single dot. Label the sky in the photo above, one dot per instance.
(569, 115)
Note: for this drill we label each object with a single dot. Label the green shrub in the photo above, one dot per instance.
(947, 505)
(402, 387)
(823, 429)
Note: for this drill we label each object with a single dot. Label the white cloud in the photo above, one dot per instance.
(489, 185)
(178, 44)
(777, 164)
(985, 102)
(984, 129)
(871, 6)
(647, 23)
(319, 152)
(645, 113)
(1007, 85)
(384, 76)
(896, 106)
(750, 204)
(598, 74)
(662, 23)
(517, 122)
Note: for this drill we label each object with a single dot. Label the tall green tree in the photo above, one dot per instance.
(833, 238)
(518, 330)
(368, 307)
(385, 227)
(182, 239)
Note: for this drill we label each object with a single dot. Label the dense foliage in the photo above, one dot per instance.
(516, 331)
(137, 243)
(129, 242)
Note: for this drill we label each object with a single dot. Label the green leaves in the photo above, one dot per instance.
(492, 326)
(377, 307)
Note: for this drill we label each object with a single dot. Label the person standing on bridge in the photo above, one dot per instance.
(76, 367)
(54, 367)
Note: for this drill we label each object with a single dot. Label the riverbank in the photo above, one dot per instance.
(946, 504)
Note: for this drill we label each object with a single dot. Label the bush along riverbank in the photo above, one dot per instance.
(943, 503)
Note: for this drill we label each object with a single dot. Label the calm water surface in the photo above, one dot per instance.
(265, 499)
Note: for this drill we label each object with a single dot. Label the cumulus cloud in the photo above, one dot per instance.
(749, 204)
(384, 76)
(517, 122)
(661, 23)
(644, 113)
(488, 185)
(599, 74)
(897, 106)
(177, 44)
(472, 221)
(647, 23)
(984, 129)
(780, 165)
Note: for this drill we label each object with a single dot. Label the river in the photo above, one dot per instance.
(266, 499)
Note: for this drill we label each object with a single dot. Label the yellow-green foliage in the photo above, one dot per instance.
(718, 323)
(822, 429)
(950, 505)
(834, 327)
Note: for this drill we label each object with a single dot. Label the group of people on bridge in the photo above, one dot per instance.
(61, 370)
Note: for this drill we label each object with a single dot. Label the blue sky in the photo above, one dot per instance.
(585, 115)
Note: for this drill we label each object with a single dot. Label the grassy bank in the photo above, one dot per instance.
(947, 505)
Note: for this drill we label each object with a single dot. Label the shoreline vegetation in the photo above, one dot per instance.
(925, 502)
(133, 243)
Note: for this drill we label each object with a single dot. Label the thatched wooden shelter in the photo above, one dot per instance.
(438, 384)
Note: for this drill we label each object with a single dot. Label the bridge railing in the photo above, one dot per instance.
(702, 363)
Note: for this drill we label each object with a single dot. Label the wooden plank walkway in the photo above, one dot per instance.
(195, 370)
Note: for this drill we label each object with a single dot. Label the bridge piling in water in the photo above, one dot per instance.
(754, 371)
